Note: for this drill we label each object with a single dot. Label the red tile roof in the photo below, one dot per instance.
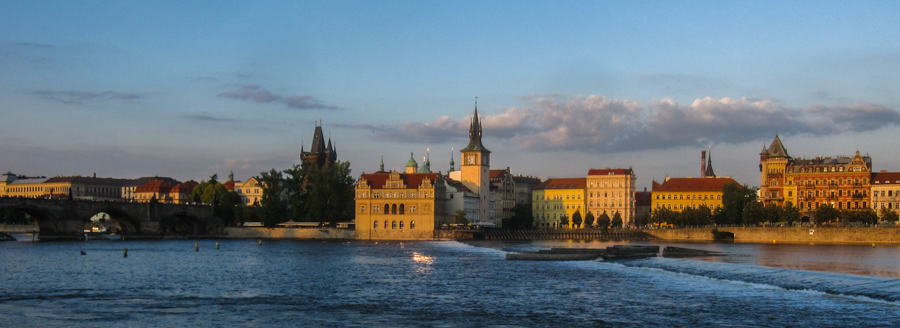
(563, 183)
(412, 180)
(610, 172)
(693, 184)
(886, 178)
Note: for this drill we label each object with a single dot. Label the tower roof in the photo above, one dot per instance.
(475, 135)
(777, 149)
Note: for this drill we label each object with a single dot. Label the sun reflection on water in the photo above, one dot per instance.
(423, 262)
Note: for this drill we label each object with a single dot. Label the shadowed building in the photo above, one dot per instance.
(320, 154)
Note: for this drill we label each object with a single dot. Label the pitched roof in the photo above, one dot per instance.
(693, 184)
(777, 149)
(563, 183)
(412, 180)
(886, 178)
(90, 181)
(610, 172)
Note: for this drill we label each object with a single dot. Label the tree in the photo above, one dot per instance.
(616, 220)
(576, 219)
(563, 221)
(603, 221)
(522, 217)
(664, 216)
(272, 208)
(772, 213)
(889, 215)
(213, 193)
(734, 198)
(588, 219)
(825, 213)
(867, 216)
(293, 183)
(460, 217)
(790, 214)
(329, 193)
(754, 213)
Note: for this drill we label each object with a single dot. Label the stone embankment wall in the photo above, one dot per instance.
(331, 233)
(19, 228)
(288, 233)
(786, 235)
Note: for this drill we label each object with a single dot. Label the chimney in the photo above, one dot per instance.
(702, 163)
(95, 174)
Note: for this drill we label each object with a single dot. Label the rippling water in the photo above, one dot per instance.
(445, 284)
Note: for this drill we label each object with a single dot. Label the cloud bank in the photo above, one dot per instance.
(80, 97)
(596, 124)
(255, 93)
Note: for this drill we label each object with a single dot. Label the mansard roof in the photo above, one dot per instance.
(563, 183)
(693, 184)
(886, 178)
(608, 171)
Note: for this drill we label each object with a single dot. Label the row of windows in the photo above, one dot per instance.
(606, 184)
(389, 209)
(614, 194)
(546, 206)
(542, 197)
(394, 224)
(831, 193)
(683, 206)
(890, 193)
(702, 197)
(411, 194)
(832, 182)
(605, 204)
(838, 205)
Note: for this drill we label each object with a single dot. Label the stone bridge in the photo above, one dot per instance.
(66, 219)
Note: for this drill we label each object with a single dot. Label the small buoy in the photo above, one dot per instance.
(217, 245)
(260, 242)
(83, 253)
(773, 241)
(125, 253)
(196, 247)
(873, 245)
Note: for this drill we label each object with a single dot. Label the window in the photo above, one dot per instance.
(375, 209)
(412, 224)
(362, 209)
(401, 224)
(393, 224)
(375, 225)
(385, 224)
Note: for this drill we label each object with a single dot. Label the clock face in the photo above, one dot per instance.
(470, 160)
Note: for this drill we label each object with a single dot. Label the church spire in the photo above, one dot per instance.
(475, 133)
(709, 169)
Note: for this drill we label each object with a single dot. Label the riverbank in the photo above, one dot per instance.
(799, 235)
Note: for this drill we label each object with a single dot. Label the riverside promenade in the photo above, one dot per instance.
(803, 235)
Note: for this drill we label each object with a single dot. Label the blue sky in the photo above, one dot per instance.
(187, 89)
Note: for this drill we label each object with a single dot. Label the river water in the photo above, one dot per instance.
(440, 284)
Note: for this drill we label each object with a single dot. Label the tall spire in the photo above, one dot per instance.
(475, 133)
(709, 169)
(381, 168)
(451, 160)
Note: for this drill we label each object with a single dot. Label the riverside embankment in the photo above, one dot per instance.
(866, 235)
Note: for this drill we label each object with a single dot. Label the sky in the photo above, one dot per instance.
(188, 89)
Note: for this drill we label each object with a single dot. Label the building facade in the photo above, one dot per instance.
(677, 194)
(885, 192)
(319, 153)
(611, 191)
(475, 169)
(557, 199)
(399, 206)
(504, 195)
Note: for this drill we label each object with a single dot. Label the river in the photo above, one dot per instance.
(440, 284)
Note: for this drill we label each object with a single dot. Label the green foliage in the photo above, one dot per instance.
(213, 193)
(294, 179)
(460, 217)
(522, 217)
(576, 219)
(825, 213)
(701, 215)
(603, 221)
(329, 193)
(616, 221)
(866, 216)
(664, 216)
(889, 215)
(588, 219)
(564, 221)
(272, 209)
(789, 214)
(754, 213)
(734, 199)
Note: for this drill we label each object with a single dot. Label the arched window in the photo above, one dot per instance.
(412, 224)
(393, 224)
(387, 209)
(401, 224)
(375, 225)
(401, 211)
(362, 209)
(394, 209)
(385, 224)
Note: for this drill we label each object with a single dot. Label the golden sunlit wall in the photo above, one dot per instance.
(680, 200)
(550, 205)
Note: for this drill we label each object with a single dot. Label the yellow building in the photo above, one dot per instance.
(611, 191)
(250, 191)
(556, 199)
(886, 192)
(399, 206)
(677, 194)
(90, 188)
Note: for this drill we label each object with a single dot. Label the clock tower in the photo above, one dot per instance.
(476, 166)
